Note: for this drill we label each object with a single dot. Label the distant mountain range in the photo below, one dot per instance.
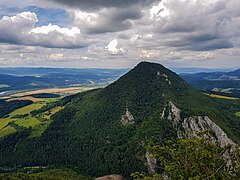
(219, 82)
(106, 131)
(18, 79)
(37, 78)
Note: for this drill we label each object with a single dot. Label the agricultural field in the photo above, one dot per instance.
(222, 97)
(27, 109)
(24, 118)
(60, 91)
(7, 130)
(49, 113)
(20, 117)
(33, 99)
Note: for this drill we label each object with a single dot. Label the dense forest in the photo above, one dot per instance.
(88, 136)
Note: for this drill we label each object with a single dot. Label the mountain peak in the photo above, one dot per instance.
(150, 65)
(148, 72)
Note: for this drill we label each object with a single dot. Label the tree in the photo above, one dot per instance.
(193, 158)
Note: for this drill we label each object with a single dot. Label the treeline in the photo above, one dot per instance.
(45, 95)
(231, 94)
(8, 107)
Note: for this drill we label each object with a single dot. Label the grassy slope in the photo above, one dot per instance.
(29, 121)
(222, 97)
(28, 109)
(7, 130)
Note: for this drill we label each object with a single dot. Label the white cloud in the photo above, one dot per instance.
(113, 47)
(73, 32)
(84, 17)
(57, 57)
(165, 31)
(158, 11)
(20, 29)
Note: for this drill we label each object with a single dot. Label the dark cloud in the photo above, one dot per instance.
(109, 26)
(111, 20)
(198, 44)
(98, 4)
(116, 20)
(195, 25)
(132, 12)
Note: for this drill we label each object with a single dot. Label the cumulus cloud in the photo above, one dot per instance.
(106, 20)
(106, 15)
(20, 29)
(114, 48)
(158, 11)
(196, 25)
(182, 32)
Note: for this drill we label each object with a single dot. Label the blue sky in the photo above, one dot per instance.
(120, 33)
(56, 16)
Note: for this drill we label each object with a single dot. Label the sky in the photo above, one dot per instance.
(119, 33)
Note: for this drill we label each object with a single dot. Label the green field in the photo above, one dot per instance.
(4, 122)
(38, 123)
(27, 109)
(48, 114)
(222, 97)
(7, 130)
(27, 122)
(39, 129)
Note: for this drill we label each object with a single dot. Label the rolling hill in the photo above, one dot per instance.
(19, 79)
(106, 131)
(222, 83)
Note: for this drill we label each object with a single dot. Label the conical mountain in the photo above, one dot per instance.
(105, 131)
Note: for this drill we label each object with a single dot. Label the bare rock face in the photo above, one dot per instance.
(111, 177)
(174, 113)
(127, 118)
(193, 126)
(164, 76)
(151, 163)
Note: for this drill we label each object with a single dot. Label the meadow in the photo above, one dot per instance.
(222, 97)
(22, 118)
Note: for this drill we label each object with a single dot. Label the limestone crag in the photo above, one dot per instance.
(151, 163)
(193, 126)
(127, 118)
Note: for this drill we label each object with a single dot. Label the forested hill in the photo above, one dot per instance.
(106, 131)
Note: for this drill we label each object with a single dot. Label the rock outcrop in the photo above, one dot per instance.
(193, 126)
(127, 118)
(151, 163)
